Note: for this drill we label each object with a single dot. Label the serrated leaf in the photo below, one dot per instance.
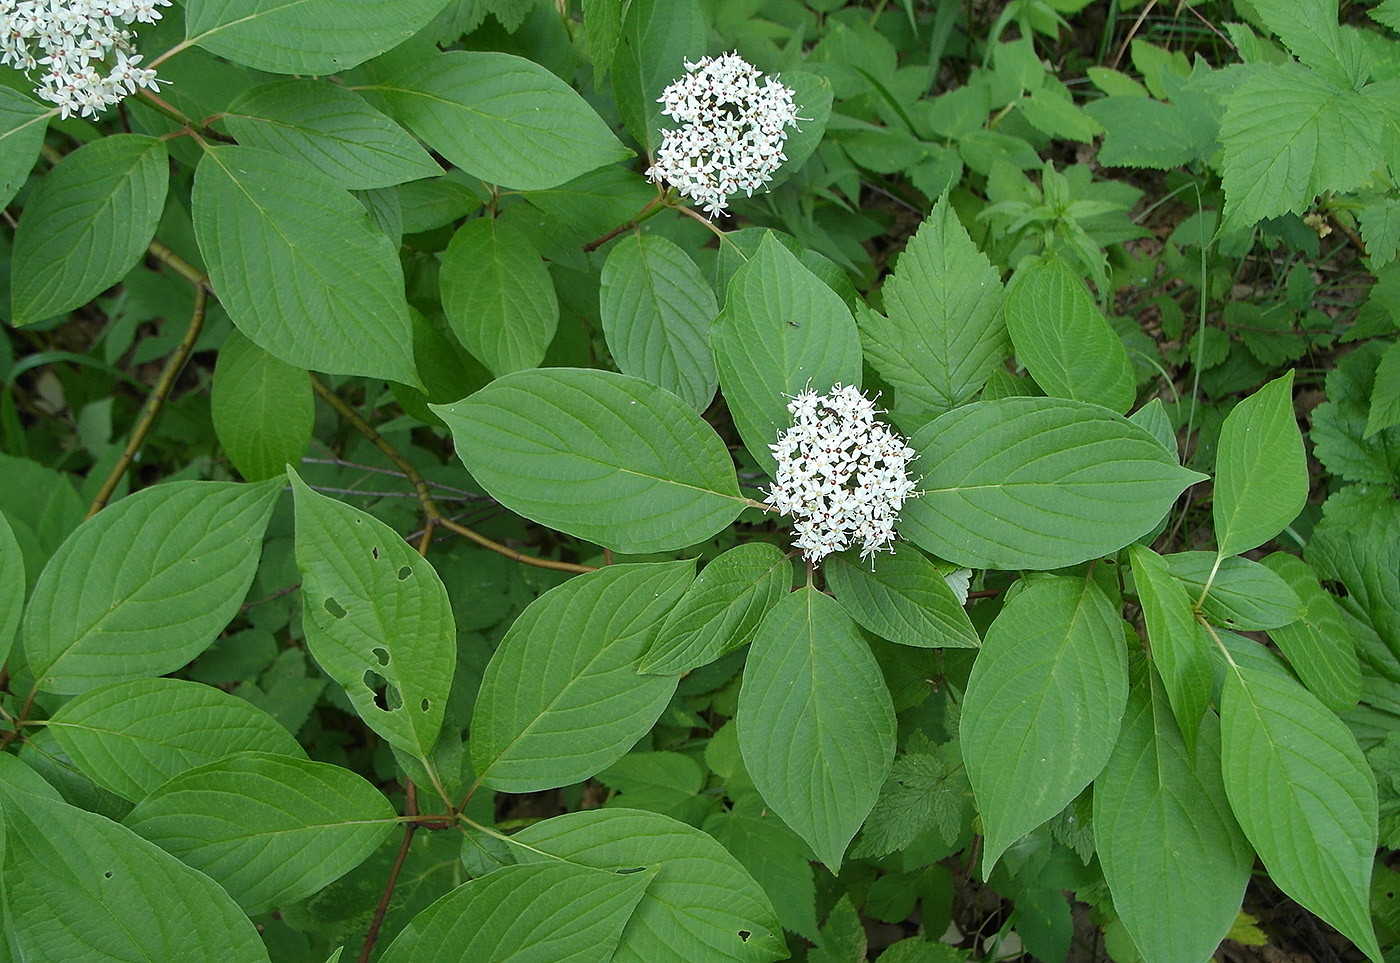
(300, 267)
(658, 37)
(782, 332)
(1057, 115)
(903, 598)
(331, 129)
(1152, 799)
(1318, 645)
(87, 224)
(921, 793)
(263, 408)
(146, 585)
(657, 308)
(945, 333)
(843, 938)
(720, 610)
(600, 455)
(1062, 339)
(304, 36)
(376, 614)
(680, 908)
(1180, 649)
(498, 295)
(561, 698)
(1310, 31)
(504, 119)
(1280, 133)
(1261, 480)
(1304, 795)
(1385, 394)
(1037, 483)
(22, 125)
(1357, 543)
(1380, 229)
(12, 585)
(130, 737)
(269, 828)
(815, 722)
(1338, 430)
(1140, 132)
(514, 915)
(1043, 706)
(1243, 595)
(75, 882)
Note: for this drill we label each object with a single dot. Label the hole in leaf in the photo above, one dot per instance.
(386, 696)
(107, 875)
(404, 573)
(374, 552)
(1336, 588)
(336, 610)
(628, 871)
(744, 936)
(423, 705)
(382, 654)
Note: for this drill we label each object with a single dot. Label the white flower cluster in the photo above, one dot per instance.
(732, 131)
(88, 58)
(842, 475)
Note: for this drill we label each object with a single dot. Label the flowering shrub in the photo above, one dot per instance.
(426, 537)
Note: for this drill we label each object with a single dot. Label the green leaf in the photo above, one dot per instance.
(782, 331)
(720, 610)
(658, 37)
(304, 36)
(130, 737)
(1180, 649)
(1037, 483)
(1063, 340)
(376, 615)
(1055, 114)
(1357, 543)
(1140, 132)
(600, 455)
(1385, 396)
(680, 908)
(657, 308)
(1043, 706)
(815, 722)
(843, 938)
(1280, 134)
(80, 887)
(146, 585)
(498, 295)
(12, 585)
(1380, 229)
(903, 599)
(945, 332)
(1152, 800)
(1319, 645)
(300, 267)
(1244, 595)
(270, 829)
(22, 126)
(263, 409)
(1308, 28)
(778, 860)
(561, 698)
(922, 793)
(87, 224)
(1261, 480)
(813, 96)
(331, 129)
(502, 118)
(1338, 431)
(1304, 795)
(552, 911)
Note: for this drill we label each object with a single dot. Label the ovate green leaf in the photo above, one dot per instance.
(1037, 483)
(1150, 800)
(12, 585)
(657, 308)
(504, 119)
(262, 407)
(904, 598)
(815, 722)
(146, 585)
(130, 737)
(1180, 648)
(87, 224)
(1304, 794)
(268, 828)
(22, 126)
(561, 698)
(1043, 706)
(304, 36)
(1319, 645)
(377, 616)
(782, 331)
(658, 37)
(600, 455)
(680, 908)
(300, 267)
(1243, 595)
(1261, 478)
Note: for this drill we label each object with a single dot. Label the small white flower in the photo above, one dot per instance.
(843, 475)
(89, 58)
(732, 131)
